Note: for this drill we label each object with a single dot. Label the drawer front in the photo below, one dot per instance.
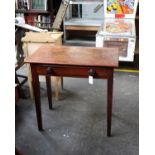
(70, 71)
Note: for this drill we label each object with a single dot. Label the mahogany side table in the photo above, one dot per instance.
(72, 61)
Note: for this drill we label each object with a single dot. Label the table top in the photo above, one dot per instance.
(75, 55)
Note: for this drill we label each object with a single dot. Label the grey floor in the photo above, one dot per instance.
(77, 125)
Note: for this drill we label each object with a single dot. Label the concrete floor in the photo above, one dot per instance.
(77, 125)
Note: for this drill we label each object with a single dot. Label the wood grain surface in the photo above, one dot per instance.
(75, 55)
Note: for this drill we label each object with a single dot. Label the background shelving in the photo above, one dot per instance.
(82, 17)
(38, 13)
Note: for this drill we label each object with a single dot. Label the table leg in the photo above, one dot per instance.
(109, 104)
(36, 91)
(49, 91)
(62, 82)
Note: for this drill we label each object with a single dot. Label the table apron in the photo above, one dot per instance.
(72, 71)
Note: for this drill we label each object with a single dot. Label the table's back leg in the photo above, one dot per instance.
(49, 91)
(36, 91)
(109, 104)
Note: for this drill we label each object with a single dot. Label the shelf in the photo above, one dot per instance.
(80, 42)
(33, 11)
(86, 2)
(83, 25)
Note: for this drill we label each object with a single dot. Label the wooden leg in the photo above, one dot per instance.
(49, 91)
(62, 82)
(56, 90)
(30, 89)
(109, 104)
(36, 92)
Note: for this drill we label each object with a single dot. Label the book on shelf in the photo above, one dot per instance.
(29, 20)
(40, 21)
(19, 15)
(16, 4)
(39, 5)
(22, 4)
(28, 4)
(35, 21)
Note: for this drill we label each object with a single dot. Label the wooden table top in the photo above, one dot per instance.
(75, 55)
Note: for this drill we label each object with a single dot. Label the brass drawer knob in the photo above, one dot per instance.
(91, 72)
(49, 70)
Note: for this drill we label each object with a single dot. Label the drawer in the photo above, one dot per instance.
(70, 71)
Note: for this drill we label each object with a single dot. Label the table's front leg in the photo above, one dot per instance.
(36, 91)
(109, 103)
(49, 91)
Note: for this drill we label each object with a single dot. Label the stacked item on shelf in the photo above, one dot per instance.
(120, 6)
(41, 21)
(22, 4)
(33, 4)
(118, 28)
(39, 4)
